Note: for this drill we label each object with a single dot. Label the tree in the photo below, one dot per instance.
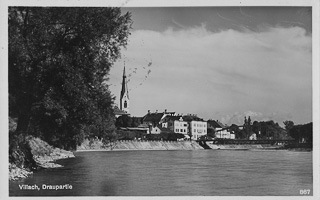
(288, 125)
(247, 127)
(124, 121)
(190, 132)
(269, 129)
(59, 59)
(136, 121)
(211, 132)
(302, 133)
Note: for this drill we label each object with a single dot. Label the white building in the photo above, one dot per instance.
(175, 124)
(180, 126)
(220, 130)
(198, 129)
(155, 121)
(224, 133)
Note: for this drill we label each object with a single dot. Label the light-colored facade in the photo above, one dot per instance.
(155, 130)
(180, 126)
(224, 134)
(253, 137)
(198, 129)
(155, 121)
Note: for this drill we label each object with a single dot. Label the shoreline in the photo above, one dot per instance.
(48, 161)
(93, 150)
(44, 156)
(127, 145)
(232, 149)
(134, 145)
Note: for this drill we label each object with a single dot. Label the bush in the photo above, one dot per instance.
(20, 151)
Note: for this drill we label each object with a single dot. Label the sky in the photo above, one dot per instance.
(221, 63)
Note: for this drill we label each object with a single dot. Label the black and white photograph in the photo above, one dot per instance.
(160, 99)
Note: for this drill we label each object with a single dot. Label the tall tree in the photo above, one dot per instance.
(59, 59)
(247, 126)
(302, 132)
(288, 125)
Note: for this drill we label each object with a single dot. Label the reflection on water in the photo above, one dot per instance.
(176, 173)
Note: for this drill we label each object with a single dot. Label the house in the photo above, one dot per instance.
(220, 130)
(224, 133)
(155, 130)
(197, 127)
(253, 136)
(154, 120)
(175, 124)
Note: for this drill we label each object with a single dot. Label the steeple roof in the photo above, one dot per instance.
(124, 88)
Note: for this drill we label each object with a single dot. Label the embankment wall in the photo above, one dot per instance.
(242, 146)
(139, 145)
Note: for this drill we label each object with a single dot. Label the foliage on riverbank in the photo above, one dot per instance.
(59, 60)
(300, 132)
(16, 173)
(27, 153)
(32, 154)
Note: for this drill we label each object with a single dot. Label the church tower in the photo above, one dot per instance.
(124, 95)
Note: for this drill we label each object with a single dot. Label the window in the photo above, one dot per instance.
(125, 104)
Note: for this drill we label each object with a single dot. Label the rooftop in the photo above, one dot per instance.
(216, 124)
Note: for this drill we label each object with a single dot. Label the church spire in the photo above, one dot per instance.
(124, 95)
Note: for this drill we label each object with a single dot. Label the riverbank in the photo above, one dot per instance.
(43, 156)
(244, 146)
(122, 145)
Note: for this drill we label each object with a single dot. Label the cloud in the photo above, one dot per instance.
(203, 72)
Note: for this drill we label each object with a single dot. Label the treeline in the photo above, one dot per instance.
(301, 132)
(265, 130)
(59, 60)
(127, 121)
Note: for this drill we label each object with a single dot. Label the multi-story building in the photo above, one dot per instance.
(197, 126)
(220, 130)
(154, 120)
(181, 126)
(175, 124)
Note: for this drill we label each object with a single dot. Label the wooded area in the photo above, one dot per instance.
(59, 59)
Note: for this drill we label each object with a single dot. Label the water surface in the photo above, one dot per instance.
(176, 173)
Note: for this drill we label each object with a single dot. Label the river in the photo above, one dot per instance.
(175, 173)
